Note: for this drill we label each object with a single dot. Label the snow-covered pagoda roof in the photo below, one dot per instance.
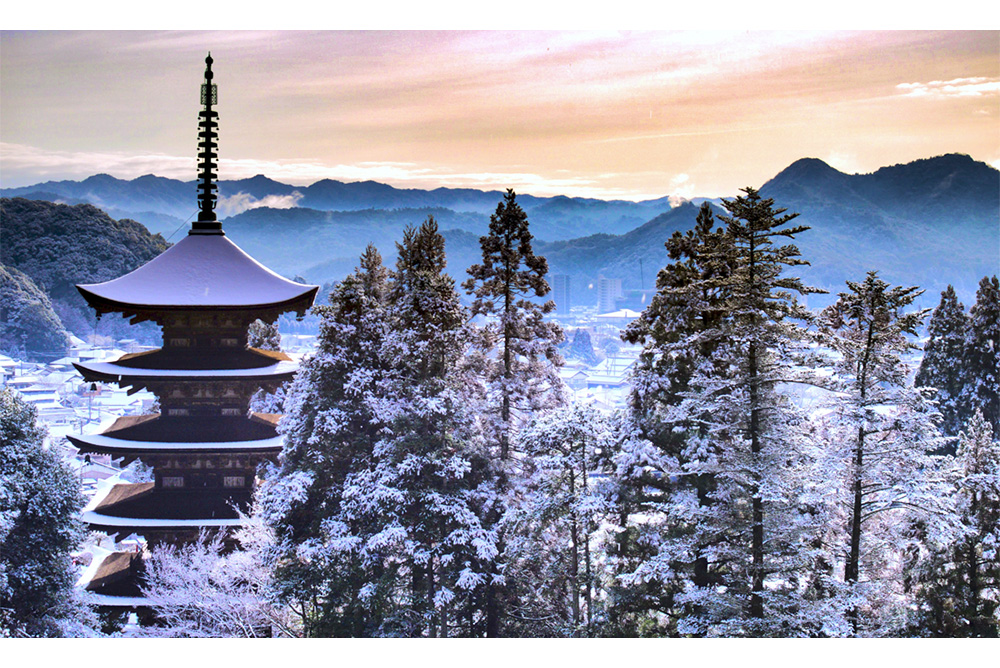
(104, 443)
(200, 271)
(114, 372)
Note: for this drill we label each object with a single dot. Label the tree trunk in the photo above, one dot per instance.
(588, 575)
(757, 504)
(852, 569)
(574, 566)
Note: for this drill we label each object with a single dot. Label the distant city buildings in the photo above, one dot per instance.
(608, 290)
(561, 293)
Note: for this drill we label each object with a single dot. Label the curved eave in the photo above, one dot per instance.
(116, 601)
(113, 523)
(139, 312)
(200, 272)
(107, 444)
(109, 372)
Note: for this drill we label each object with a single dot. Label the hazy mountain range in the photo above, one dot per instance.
(163, 205)
(930, 223)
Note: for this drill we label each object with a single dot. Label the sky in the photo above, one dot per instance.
(608, 114)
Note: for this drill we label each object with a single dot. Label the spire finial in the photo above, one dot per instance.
(207, 222)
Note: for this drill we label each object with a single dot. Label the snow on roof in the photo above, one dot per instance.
(101, 441)
(105, 369)
(98, 555)
(622, 313)
(91, 517)
(117, 601)
(201, 270)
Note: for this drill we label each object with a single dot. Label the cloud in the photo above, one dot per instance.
(241, 201)
(26, 165)
(961, 87)
(681, 190)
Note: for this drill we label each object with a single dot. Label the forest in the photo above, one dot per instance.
(779, 471)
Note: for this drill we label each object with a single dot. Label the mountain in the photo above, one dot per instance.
(929, 223)
(29, 328)
(164, 204)
(58, 246)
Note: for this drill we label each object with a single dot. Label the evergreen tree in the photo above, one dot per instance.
(982, 388)
(582, 348)
(555, 572)
(522, 376)
(39, 503)
(719, 338)
(517, 353)
(678, 328)
(431, 462)
(875, 468)
(943, 365)
(956, 581)
(955, 576)
(331, 430)
(265, 336)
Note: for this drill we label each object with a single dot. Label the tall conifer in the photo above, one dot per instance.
(517, 354)
(875, 467)
(982, 357)
(719, 338)
(331, 431)
(943, 365)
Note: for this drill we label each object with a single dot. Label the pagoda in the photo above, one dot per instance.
(204, 446)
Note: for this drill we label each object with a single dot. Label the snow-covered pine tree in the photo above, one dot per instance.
(582, 348)
(263, 335)
(556, 575)
(735, 523)
(956, 579)
(678, 328)
(432, 477)
(517, 354)
(875, 471)
(521, 369)
(982, 360)
(39, 503)
(331, 430)
(943, 365)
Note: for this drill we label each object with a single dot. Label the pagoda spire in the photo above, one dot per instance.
(207, 222)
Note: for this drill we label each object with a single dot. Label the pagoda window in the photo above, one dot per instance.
(178, 412)
(233, 412)
(229, 342)
(180, 343)
(172, 481)
(234, 481)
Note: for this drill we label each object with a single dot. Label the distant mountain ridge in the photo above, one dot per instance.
(929, 223)
(164, 204)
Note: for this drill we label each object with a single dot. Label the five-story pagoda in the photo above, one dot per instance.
(204, 445)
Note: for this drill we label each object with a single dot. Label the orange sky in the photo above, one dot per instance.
(629, 115)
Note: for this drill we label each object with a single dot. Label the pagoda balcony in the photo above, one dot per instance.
(144, 507)
(153, 438)
(157, 366)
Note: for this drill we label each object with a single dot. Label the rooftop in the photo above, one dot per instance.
(201, 271)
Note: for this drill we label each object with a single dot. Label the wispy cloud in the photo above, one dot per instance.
(961, 87)
(240, 202)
